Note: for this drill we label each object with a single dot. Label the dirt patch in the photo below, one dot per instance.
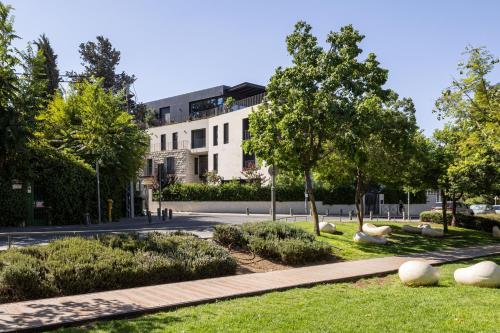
(375, 281)
(252, 263)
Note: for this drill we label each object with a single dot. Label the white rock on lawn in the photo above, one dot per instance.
(418, 273)
(361, 237)
(327, 227)
(411, 229)
(373, 230)
(483, 274)
(432, 232)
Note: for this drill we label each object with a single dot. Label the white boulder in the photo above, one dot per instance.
(361, 237)
(432, 232)
(373, 230)
(496, 231)
(327, 227)
(424, 226)
(411, 229)
(418, 273)
(483, 274)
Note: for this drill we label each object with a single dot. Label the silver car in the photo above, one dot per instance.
(482, 209)
(496, 208)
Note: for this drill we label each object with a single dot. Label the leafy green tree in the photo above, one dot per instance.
(50, 69)
(90, 123)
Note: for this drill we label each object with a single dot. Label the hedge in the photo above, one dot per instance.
(78, 265)
(274, 240)
(234, 191)
(476, 222)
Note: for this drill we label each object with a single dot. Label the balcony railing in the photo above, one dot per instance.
(238, 105)
(169, 146)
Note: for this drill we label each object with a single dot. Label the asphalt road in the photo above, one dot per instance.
(197, 223)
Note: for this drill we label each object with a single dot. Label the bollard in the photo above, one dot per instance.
(340, 212)
(248, 211)
(158, 213)
(170, 214)
(9, 242)
(388, 215)
(404, 216)
(350, 215)
(87, 218)
(371, 215)
(291, 212)
(327, 212)
(148, 214)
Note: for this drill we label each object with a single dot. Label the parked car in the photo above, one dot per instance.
(461, 208)
(496, 208)
(482, 209)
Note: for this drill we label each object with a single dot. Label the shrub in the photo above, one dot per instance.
(275, 241)
(22, 276)
(476, 222)
(227, 234)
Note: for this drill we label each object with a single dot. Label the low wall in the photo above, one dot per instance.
(263, 207)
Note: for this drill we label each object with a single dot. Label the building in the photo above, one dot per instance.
(201, 131)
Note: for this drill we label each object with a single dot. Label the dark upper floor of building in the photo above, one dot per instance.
(206, 103)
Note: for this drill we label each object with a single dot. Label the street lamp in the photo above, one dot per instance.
(98, 192)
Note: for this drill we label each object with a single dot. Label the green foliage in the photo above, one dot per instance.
(475, 222)
(275, 241)
(50, 70)
(77, 265)
(12, 204)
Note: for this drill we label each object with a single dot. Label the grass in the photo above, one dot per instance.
(400, 241)
(370, 306)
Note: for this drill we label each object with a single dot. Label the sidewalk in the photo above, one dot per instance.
(71, 310)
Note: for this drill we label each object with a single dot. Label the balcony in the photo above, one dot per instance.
(170, 146)
(238, 105)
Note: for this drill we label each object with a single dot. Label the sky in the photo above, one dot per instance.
(174, 47)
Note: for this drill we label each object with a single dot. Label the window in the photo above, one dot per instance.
(164, 114)
(160, 173)
(198, 138)
(163, 142)
(149, 168)
(174, 141)
(170, 165)
(248, 161)
(216, 135)
(226, 133)
(205, 104)
(216, 162)
(196, 165)
(246, 133)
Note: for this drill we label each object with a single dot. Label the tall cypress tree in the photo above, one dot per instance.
(50, 64)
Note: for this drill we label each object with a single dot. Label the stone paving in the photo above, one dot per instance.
(71, 310)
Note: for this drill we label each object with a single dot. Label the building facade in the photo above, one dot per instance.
(201, 131)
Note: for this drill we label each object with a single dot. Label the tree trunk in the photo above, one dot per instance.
(312, 200)
(444, 207)
(454, 211)
(359, 202)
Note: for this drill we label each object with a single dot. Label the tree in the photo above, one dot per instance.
(99, 60)
(472, 135)
(90, 123)
(51, 71)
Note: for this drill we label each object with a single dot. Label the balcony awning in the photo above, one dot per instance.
(244, 90)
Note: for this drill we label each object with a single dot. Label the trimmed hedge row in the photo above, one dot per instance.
(233, 191)
(77, 265)
(275, 241)
(475, 222)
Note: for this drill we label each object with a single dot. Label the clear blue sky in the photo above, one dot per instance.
(180, 46)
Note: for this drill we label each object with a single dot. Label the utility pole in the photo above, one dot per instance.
(132, 208)
(98, 193)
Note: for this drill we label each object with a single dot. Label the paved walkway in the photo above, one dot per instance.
(70, 310)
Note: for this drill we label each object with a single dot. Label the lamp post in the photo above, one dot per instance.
(409, 216)
(272, 172)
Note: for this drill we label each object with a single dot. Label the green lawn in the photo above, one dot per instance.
(400, 241)
(370, 305)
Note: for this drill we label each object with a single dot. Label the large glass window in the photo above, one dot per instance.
(149, 168)
(205, 104)
(226, 133)
(216, 135)
(175, 143)
(198, 138)
(164, 114)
